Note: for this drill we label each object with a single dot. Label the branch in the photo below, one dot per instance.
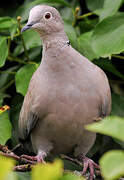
(77, 17)
(23, 168)
(85, 15)
(7, 72)
(23, 42)
(118, 56)
(7, 85)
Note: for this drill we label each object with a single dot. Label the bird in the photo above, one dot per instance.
(65, 93)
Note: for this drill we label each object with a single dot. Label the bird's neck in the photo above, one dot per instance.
(53, 51)
(54, 41)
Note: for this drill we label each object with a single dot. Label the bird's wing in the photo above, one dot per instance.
(27, 121)
(105, 108)
(28, 116)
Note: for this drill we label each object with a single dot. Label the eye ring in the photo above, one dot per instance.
(47, 15)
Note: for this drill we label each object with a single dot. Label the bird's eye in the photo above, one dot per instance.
(47, 15)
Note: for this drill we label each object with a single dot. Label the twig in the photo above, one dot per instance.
(71, 159)
(10, 58)
(7, 85)
(85, 15)
(23, 42)
(23, 168)
(118, 56)
(97, 172)
(75, 16)
(7, 72)
(11, 155)
(9, 43)
(16, 147)
(4, 149)
(8, 153)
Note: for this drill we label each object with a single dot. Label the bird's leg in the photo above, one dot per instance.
(39, 158)
(88, 164)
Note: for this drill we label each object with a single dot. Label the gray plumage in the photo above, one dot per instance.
(65, 93)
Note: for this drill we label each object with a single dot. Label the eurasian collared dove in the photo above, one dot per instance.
(65, 93)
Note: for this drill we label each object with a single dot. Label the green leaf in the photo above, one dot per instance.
(84, 45)
(112, 126)
(112, 164)
(67, 14)
(13, 30)
(23, 175)
(5, 22)
(5, 128)
(23, 11)
(47, 172)
(11, 176)
(71, 177)
(23, 77)
(70, 31)
(16, 104)
(94, 4)
(3, 50)
(108, 36)
(106, 64)
(31, 38)
(117, 105)
(110, 7)
(6, 165)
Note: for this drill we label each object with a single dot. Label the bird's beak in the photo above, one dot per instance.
(27, 26)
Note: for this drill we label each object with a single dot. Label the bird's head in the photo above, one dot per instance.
(45, 20)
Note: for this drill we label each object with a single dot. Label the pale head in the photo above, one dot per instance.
(45, 20)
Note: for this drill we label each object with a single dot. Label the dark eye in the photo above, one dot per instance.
(47, 15)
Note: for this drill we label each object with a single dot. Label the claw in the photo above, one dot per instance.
(89, 163)
(38, 158)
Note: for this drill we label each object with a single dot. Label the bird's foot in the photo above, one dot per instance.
(38, 158)
(89, 164)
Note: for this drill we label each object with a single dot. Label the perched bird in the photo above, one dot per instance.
(65, 93)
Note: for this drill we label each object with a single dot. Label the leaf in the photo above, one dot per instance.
(67, 14)
(5, 22)
(23, 175)
(23, 77)
(117, 105)
(23, 11)
(47, 171)
(5, 128)
(16, 105)
(118, 110)
(106, 64)
(31, 38)
(112, 164)
(5, 78)
(6, 165)
(3, 50)
(13, 30)
(84, 45)
(94, 4)
(112, 126)
(71, 177)
(108, 36)
(11, 176)
(70, 31)
(110, 7)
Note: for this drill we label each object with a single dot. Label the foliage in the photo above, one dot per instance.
(49, 171)
(96, 30)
